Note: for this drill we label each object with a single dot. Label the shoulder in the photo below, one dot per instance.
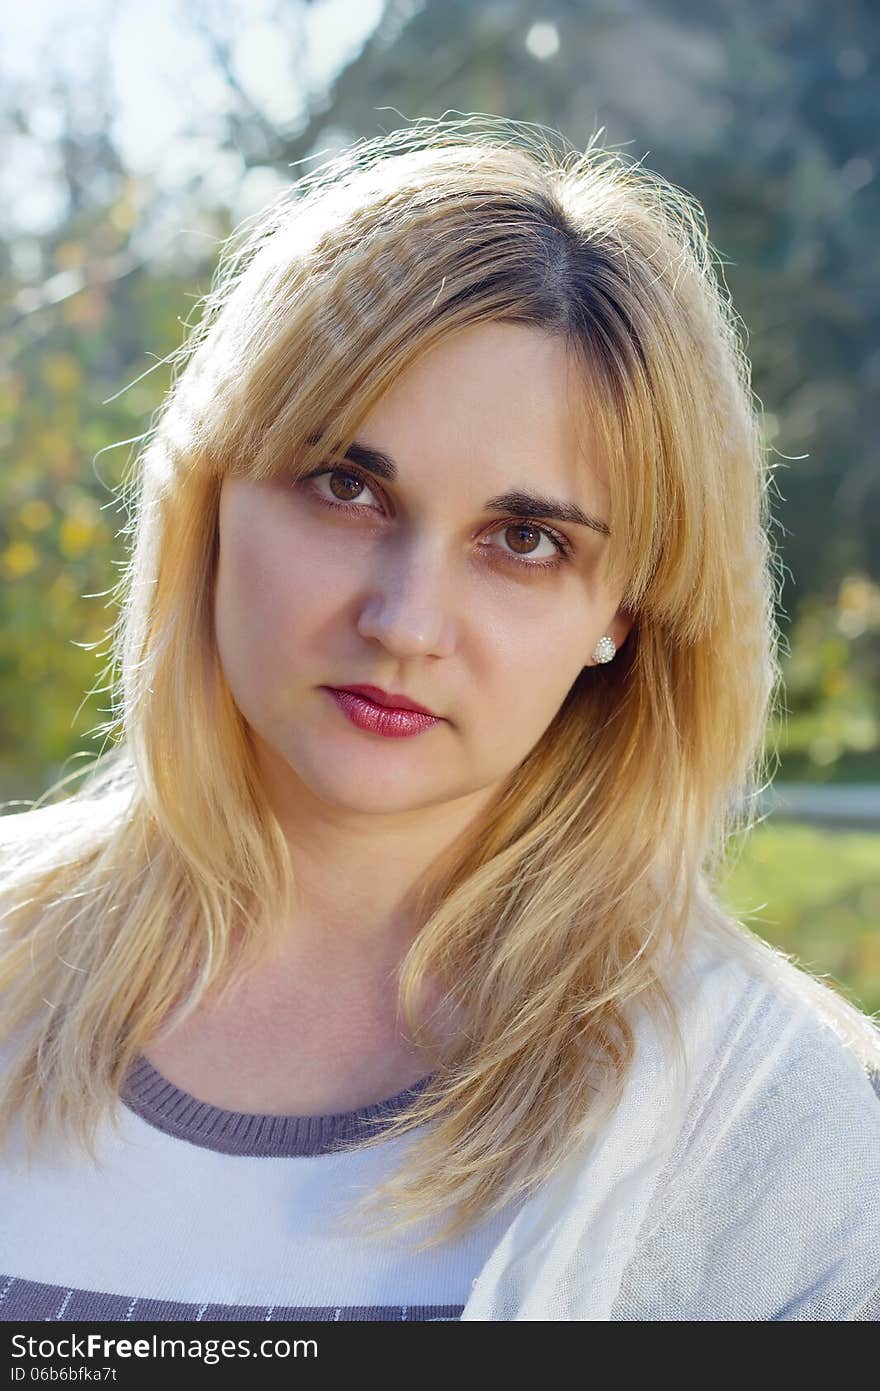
(734, 992)
(767, 1204)
(776, 1053)
(32, 823)
(41, 834)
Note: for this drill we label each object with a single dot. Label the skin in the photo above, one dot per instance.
(420, 591)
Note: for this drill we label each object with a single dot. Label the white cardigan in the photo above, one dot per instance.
(752, 1192)
(748, 1190)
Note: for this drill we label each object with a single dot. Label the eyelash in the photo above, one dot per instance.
(563, 546)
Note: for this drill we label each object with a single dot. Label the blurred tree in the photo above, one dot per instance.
(764, 111)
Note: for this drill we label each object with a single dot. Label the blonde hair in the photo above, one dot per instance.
(166, 874)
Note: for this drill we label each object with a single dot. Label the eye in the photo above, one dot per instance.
(350, 502)
(560, 548)
(345, 496)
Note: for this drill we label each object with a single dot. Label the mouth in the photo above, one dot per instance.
(390, 721)
(388, 700)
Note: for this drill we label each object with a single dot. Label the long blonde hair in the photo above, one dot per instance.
(166, 873)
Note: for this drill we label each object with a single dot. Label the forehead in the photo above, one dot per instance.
(498, 401)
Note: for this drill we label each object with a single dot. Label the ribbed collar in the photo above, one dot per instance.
(165, 1106)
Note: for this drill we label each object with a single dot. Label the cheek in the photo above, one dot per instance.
(531, 661)
(539, 643)
(264, 600)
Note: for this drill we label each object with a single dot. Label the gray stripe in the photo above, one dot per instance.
(29, 1299)
(165, 1106)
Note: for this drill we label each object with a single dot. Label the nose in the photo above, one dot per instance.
(407, 605)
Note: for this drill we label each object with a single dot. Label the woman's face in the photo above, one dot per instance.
(421, 585)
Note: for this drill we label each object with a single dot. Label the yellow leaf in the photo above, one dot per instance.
(835, 682)
(20, 559)
(36, 514)
(75, 535)
(61, 373)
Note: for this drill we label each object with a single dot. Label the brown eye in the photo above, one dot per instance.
(519, 532)
(348, 490)
(346, 487)
(350, 480)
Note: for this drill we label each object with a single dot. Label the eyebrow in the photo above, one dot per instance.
(516, 503)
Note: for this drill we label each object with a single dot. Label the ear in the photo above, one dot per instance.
(620, 627)
(618, 630)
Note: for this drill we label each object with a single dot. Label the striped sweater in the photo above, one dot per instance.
(200, 1213)
(744, 1189)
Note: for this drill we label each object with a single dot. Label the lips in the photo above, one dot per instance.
(389, 699)
(389, 721)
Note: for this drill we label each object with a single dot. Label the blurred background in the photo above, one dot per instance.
(135, 137)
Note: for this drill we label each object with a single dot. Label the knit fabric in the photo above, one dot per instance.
(743, 1188)
(195, 1213)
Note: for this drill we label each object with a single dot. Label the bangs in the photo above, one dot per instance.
(615, 429)
(315, 329)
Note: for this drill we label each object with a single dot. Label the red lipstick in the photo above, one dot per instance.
(381, 712)
(390, 699)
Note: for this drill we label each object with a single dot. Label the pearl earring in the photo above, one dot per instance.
(604, 650)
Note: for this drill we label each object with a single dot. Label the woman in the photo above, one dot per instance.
(378, 971)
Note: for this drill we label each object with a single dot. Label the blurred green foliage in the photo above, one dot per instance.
(830, 727)
(815, 893)
(767, 114)
(68, 428)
